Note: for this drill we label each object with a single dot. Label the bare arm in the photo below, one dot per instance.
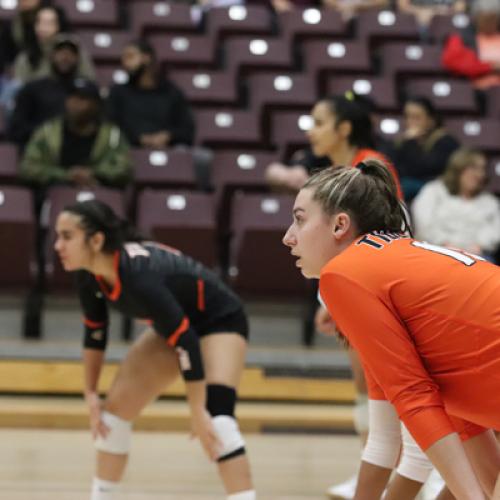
(448, 456)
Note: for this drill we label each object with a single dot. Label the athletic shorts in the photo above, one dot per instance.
(235, 322)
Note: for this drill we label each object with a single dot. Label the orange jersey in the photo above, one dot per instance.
(425, 321)
(366, 154)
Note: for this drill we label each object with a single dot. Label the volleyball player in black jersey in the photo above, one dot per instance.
(198, 329)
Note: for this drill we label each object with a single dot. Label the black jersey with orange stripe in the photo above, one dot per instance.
(156, 283)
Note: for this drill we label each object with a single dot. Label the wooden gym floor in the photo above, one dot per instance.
(41, 464)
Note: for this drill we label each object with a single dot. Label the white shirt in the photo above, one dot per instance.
(442, 218)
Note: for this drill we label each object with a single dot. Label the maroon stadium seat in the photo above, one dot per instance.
(227, 128)
(252, 20)
(447, 94)
(105, 45)
(57, 199)
(493, 102)
(8, 163)
(442, 26)
(255, 54)
(234, 171)
(184, 50)
(183, 220)
(336, 56)
(288, 90)
(299, 24)
(163, 168)
(494, 175)
(476, 133)
(17, 230)
(91, 13)
(409, 59)
(385, 25)
(7, 9)
(380, 90)
(259, 262)
(167, 17)
(288, 131)
(389, 126)
(109, 74)
(206, 88)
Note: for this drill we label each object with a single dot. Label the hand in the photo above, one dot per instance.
(156, 139)
(324, 323)
(202, 428)
(282, 5)
(81, 176)
(97, 426)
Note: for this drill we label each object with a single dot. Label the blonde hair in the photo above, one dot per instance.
(367, 192)
(460, 160)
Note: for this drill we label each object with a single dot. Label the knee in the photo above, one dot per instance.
(117, 441)
(221, 402)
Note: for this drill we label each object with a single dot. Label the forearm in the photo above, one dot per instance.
(448, 456)
(372, 481)
(92, 364)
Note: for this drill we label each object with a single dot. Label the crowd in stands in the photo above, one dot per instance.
(73, 128)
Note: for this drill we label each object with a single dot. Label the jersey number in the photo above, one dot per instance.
(463, 257)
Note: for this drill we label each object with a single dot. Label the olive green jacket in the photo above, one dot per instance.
(109, 158)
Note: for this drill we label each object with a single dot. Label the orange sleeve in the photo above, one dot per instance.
(389, 355)
(466, 430)
(374, 389)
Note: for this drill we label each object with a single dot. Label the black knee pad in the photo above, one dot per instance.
(221, 400)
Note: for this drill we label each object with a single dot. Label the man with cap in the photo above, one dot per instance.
(43, 99)
(78, 147)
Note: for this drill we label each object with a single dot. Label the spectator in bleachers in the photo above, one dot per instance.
(150, 110)
(43, 99)
(475, 51)
(425, 10)
(35, 61)
(78, 148)
(423, 150)
(455, 210)
(342, 132)
(18, 33)
(350, 8)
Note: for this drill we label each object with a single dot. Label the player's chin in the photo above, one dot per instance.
(307, 273)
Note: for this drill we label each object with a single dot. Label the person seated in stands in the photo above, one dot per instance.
(475, 51)
(455, 210)
(78, 148)
(18, 33)
(35, 62)
(341, 134)
(423, 150)
(425, 10)
(43, 99)
(151, 111)
(350, 8)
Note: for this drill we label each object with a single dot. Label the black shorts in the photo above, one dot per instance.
(235, 322)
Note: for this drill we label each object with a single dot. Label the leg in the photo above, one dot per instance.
(148, 367)
(445, 494)
(224, 359)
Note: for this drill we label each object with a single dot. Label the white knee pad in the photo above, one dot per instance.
(414, 463)
(384, 438)
(229, 434)
(118, 439)
(361, 422)
(243, 495)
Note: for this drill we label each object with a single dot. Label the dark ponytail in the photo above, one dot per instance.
(368, 193)
(96, 216)
(350, 108)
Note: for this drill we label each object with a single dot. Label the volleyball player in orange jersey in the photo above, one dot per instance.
(424, 319)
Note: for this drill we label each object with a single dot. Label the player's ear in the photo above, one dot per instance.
(96, 241)
(341, 224)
